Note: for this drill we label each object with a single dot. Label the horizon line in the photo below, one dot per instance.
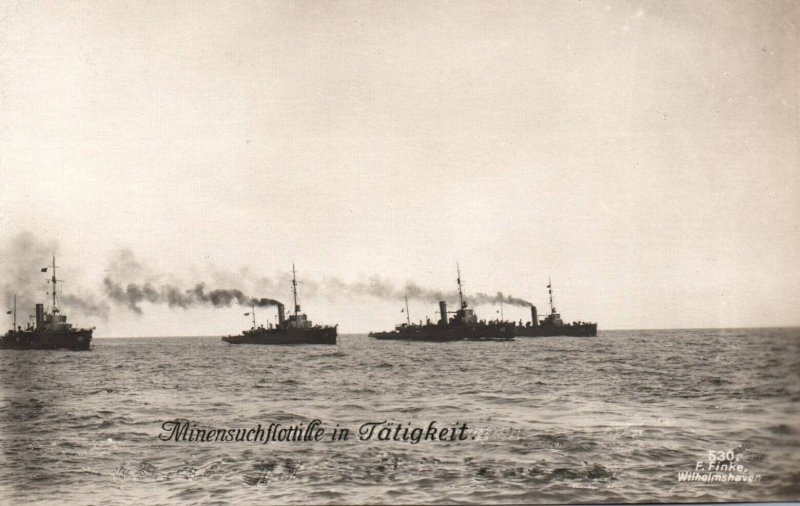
(366, 332)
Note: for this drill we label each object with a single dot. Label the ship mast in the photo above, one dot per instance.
(253, 307)
(294, 292)
(408, 316)
(550, 291)
(460, 292)
(55, 307)
(15, 313)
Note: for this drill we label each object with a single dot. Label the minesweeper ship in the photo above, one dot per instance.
(50, 330)
(464, 325)
(553, 325)
(297, 329)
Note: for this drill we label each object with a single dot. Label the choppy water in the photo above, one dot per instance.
(609, 419)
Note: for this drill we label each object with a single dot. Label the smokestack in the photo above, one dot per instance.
(534, 316)
(443, 311)
(281, 317)
(39, 316)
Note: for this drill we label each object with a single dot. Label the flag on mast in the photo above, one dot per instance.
(44, 269)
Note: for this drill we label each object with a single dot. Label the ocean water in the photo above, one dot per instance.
(609, 419)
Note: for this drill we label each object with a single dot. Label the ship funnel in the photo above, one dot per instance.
(281, 316)
(534, 316)
(443, 311)
(39, 316)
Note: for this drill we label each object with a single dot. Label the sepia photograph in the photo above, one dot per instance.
(399, 252)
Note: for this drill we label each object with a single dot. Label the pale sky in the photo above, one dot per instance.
(644, 155)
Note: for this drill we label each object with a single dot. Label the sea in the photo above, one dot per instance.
(627, 416)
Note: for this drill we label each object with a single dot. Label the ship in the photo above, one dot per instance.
(297, 329)
(49, 330)
(553, 325)
(463, 325)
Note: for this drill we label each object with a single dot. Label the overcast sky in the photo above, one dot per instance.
(642, 154)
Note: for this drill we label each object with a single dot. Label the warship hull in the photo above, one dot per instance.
(577, 330)
(51, 330)
(462, 326)
(447, 333)
(285, 336)
(44, 340)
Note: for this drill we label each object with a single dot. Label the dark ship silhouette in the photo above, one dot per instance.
(552, 325)
(464, 325)
(50, 330)
(297, 329)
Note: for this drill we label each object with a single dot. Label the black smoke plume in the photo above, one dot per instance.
(131, 295)
(377, 287)
(129, 283)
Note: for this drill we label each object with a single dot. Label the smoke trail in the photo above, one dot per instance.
(21, 259)
(482, 298)
(377, 287)
(143, 285)
(133, 294)
(414, 291)
(219, 298)
(129, 283)
(85, 304)
(265, 302)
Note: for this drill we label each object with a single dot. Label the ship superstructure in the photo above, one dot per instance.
(463, 325)
(50, 329)
(296, 329)
(553, 325)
